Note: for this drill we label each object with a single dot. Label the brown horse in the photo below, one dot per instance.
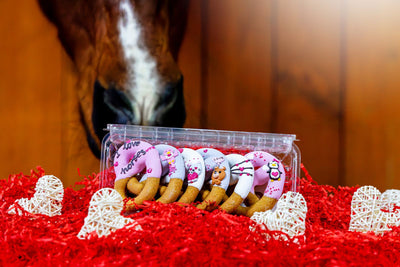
(125, 53)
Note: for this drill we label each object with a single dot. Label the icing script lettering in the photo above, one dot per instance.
(129, 145)
(131, 163)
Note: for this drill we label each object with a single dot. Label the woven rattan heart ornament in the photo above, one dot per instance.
(289, 215)
(373, 211)
(47, 199)
(104, 214)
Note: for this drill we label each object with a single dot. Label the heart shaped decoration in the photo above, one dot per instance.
(104, 214)
(288, 216)
(373, 211)
(47, 199)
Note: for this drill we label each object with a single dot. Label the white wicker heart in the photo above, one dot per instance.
(372, 211)
(289, 216)
(47, 199)
(104, 215)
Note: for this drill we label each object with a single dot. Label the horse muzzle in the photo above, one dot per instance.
(170, 108)
(113, 106)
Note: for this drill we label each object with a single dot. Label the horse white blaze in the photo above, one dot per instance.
(143, 79)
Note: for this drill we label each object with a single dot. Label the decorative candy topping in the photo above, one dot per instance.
(133, 157)
(271, 173)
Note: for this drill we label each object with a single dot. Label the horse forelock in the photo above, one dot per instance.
(143, 81)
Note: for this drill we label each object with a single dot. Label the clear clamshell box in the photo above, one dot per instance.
(279, 145)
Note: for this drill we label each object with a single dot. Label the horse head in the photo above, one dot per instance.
(125, 54)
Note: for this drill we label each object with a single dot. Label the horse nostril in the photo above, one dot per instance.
(109, 106)
(170, 92)
(170, 109)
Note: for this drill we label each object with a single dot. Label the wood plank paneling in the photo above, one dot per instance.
(30, 95)
(76, 153)
(307, 66)
(190, 62)
(237, 59)
(254, 65)
(372, 94)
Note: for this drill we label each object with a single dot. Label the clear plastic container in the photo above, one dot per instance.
(279, 145)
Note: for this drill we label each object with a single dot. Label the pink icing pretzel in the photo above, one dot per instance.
(219, 173)
(242, 174)
(173, 174)
(132, 158)
(271, 172)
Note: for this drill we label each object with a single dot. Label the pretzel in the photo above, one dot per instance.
(131, 159)
(242, 174)
(271, 172)
(217, 168)
(195, 173)
(173, 174)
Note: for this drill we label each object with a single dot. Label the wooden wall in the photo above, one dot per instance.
(327, 71)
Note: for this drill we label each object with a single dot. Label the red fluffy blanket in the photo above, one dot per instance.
(174, 235)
